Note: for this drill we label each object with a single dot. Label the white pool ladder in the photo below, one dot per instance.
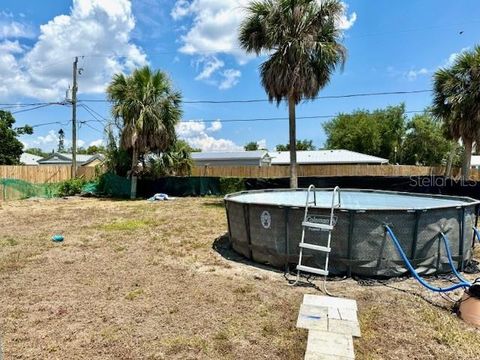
(306, 224)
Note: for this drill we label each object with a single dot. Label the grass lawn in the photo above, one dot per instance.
(140, 280)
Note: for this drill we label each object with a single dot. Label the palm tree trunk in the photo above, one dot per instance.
(293, 143)
(448, 169)
(467, 159)
(133, 188)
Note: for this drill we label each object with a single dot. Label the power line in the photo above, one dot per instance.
(92, 112)
(365, 94)
(268, 118)
(90, 126)
(51, 123)
(35, 108)
(382, 93)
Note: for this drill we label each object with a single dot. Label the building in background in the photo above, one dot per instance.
(267, 158)
(29, 159)
(66, 159)
(234, 158)
(326, 157)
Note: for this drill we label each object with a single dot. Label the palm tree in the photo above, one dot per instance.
(148, 109)
(302, 39)
(456, 101)
(176, 161)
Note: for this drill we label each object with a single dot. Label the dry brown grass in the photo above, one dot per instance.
(139, 280)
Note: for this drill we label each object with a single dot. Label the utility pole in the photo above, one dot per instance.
(74, 119)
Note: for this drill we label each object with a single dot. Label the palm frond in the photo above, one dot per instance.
(303, 40)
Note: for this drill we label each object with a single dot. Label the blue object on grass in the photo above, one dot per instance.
(57, 238)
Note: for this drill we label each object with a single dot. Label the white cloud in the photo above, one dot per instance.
(98, 142)
(210, 65)
(12, 47)
(262, 144)
(49, 141)
(212, 75)
(10, 28)
(412, 75)
(214, 26)
(99, 29)
(50, 138)
(215, 126)
(181, 9)
(212, 30)
(230, 79)
(346, 22)
(196, 133)
(453, 56)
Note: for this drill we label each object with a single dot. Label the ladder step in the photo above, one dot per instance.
(315, 247)
(312, 270)
(317, 226)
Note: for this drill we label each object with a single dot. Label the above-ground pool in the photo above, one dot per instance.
(266, 226)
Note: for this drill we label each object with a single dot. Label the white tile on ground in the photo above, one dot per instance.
(327, 343)
(329, 301)
(317, 356)
(348, 314)
(312, 317)
(334, 313)
(314, 310)
(350, 328)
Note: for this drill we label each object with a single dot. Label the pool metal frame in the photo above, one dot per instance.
(352, 216)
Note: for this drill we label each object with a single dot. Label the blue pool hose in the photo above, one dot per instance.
(477, 233)
(463, 283)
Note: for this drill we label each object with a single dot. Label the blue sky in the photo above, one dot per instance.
(392, 46)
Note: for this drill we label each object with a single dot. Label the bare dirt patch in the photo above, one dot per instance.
(139, 280)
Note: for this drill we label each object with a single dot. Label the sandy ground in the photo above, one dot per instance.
(139, 280)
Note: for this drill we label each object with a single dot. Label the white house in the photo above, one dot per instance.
(475, 162)
(232, 158)
(29, 159)
(264, 158)
(66, 159)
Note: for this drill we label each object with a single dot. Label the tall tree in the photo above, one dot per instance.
(302, 38)
(251, 146)
(378, 133)
(302, 145)
(61, 141)
(36, 151)
(148, 108)
(10, 147)
(421, 130)
(456, 101)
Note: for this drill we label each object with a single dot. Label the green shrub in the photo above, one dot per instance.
(231, 185)
(70, 187)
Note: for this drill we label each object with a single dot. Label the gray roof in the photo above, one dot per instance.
(326, 157)
(29, 159)
(228, 155)
(64, 158)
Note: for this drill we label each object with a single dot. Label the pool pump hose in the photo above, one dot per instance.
(463, 282)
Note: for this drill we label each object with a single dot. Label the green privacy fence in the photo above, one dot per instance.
(111, 185)
(13, 189)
